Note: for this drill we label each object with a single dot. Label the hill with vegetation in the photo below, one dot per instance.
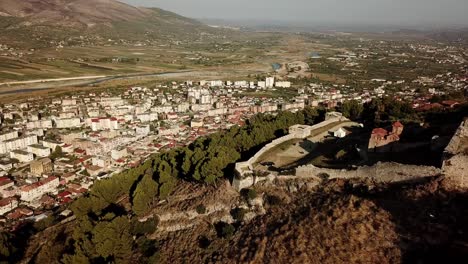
(46, 21)
(339, 221)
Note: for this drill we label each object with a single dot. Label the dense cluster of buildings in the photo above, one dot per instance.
(52, 150)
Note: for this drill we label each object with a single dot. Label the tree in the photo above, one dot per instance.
(310, 115)
(85, 173)
(58, 153)
(6, 247)
(352, 109)
(238, 214)
(248, 194)
(113, 239)
(144, 195)
(228, 230)
(201, 209)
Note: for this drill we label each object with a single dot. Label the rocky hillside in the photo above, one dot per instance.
(58, 20)
(355, 222)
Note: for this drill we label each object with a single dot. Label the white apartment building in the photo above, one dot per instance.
(65, 115)
(8, 135)
(39, 150)
(206, 99)
(183, 107)
(261, 84)
(39, 124)
(69, 137)
(290, 106)
(68, 122)
(216, 83)
(283, 84)
(36, 190)
(147, 117)
(143, 130)
(270, 82)
(7, 205)
(243, 84)
(111, 101)
(51, 144)
(6, 165)
(21, 155)
(201, 107)
(217, 112)
(102, 161)
(163, 109)
(17, 143)
(169, 131)
(68, 102)
(119, 153)
(104, 124)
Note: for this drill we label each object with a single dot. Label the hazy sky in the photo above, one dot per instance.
(395, 12)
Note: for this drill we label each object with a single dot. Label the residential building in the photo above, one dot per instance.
(41, 166)
(35, 191)
(39, 150)
(7, 205)
(21, 155)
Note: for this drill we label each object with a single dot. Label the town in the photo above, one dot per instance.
(54, 150)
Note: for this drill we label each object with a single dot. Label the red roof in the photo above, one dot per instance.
(397, 124)
(6, 201)
(5, 182)
(66, 200)
(64, 194)
(380, 131)
(33, 186)
(430, 106)
(450, 102)
(4, 179)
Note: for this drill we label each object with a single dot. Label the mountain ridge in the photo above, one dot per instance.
(57, 20)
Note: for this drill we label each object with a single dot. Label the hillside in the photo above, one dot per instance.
(352, 222)
(45, 21)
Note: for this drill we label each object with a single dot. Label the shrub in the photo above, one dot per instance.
(273, 200)
(324, 176)
(228, 230)
(249, 194)
(141, 228)
(224, 230)
(201, 209)
(203, 242)
(238, 214)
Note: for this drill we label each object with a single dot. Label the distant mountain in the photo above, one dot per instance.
(46, 20)
(453, 35)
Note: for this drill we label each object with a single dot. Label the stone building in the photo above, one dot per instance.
(382, 140)
(41, 166)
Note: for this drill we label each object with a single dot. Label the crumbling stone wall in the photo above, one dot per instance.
(244, 178)
(455, 158)
(380, 172)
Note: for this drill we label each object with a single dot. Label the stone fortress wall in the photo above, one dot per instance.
(244, 177)
(455, 158)
(381, 172)
(455, 165)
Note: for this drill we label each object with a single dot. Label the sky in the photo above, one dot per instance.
(365, 12)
